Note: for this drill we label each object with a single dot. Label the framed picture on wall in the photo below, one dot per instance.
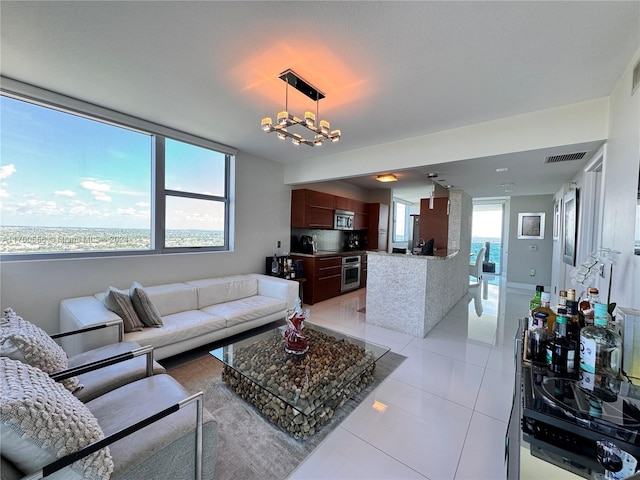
(570, 227)
(557, 217)
(531, 225)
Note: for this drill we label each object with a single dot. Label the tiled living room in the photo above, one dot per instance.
(446, 407)
(139, 154)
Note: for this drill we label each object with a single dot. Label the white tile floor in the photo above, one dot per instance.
(448, 403)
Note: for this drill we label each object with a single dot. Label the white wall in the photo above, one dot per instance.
(581, 122)
(521, 257)
(620, 182)
(262, 212)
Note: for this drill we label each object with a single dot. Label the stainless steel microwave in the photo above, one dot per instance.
(343, 220)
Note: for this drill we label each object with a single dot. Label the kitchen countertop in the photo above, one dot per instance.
(329, 253)
(439, 254)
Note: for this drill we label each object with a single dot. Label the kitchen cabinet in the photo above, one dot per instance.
(311, 209)
(363, 271)
(343, 203)
(434, 223)
(361, 220)
(378, 226)
(323, 276)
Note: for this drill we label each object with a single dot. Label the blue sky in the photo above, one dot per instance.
(60, 170)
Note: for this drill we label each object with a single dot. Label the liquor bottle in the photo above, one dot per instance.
(562, 299)
(537, 299)
(573, 324)
(275, 267)
(587, 306)
(537, 341)
(561, 352)
(544, 307)
(571, 294)
(600, 348)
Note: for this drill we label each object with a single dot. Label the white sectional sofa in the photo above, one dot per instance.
(193, 313)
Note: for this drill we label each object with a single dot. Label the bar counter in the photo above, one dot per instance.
(412, 293)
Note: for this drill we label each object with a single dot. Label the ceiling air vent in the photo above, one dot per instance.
(565, 157)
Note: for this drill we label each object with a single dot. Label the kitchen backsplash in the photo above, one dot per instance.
(329, 240)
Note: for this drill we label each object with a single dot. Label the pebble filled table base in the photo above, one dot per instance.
(299, 392)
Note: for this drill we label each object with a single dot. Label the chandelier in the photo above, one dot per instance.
(320, 130)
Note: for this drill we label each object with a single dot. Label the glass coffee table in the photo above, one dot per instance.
(299, 392)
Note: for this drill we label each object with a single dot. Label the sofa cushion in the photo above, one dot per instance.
(173, 298)
(146, 310)
(41, 421)
(98, 382)
(246, 309)
(22, 340)
(213, 291)
(168, 442)
(178, 327)
(119, 302)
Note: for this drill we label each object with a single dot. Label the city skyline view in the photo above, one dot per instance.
(62, 170)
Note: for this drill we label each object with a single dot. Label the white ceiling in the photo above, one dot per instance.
(389, 70)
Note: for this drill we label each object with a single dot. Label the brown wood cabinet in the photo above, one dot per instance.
(363, 271)
(323, 277)
(377, 234)
(361, 210)
(311, 209)
(434, 223)
(343, 203)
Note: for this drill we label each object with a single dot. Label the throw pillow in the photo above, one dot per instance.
(144, 307)
(22, 340)
(120, 303)
(41, 422)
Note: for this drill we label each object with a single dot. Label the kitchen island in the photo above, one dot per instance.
(412, 293)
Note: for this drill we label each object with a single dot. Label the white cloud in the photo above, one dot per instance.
(143, 204)
(4, 193)
(98, 189)
(7, 170)
(95, 186)
(126, 211)
(64, 193)
(39, 207)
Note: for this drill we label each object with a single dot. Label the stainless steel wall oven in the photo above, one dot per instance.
(350, 273)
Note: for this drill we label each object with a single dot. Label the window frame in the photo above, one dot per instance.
(48, 99)
(407, 218)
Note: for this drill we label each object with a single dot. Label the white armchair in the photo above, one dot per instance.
(475, 269)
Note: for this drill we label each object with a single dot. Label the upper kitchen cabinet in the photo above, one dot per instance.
(434, 222)
(343, 203)
(361, 210)
(311, 209)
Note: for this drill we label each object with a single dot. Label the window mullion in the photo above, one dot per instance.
(158, 210)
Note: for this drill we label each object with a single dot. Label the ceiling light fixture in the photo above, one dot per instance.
(320, 128)
(387, 177)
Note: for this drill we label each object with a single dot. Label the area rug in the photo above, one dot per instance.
(250, 447)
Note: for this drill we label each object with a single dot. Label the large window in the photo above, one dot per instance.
(195, 203)
(76, 185)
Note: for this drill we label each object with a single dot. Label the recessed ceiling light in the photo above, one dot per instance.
(448, 186)
(508, 191)
(508, 184)
(432, 175)
(503, 169)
